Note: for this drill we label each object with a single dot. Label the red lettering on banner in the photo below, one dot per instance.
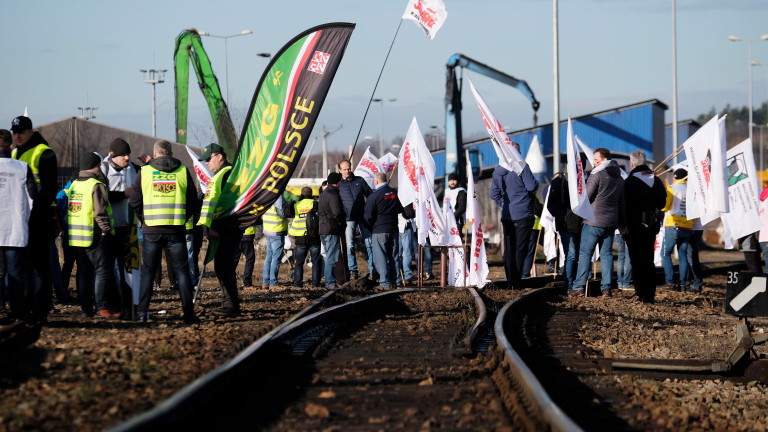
(426, 15)
(454, 231)
(579, 176)
(202, 176)
(705, 171)
(410, 167)
(367, 163)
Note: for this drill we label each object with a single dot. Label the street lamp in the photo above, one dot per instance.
(381, 123)
(749, 69)
(154, 77)
(226, 60)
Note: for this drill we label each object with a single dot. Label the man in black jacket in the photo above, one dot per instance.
(381, 212)
(567, 224)
(32, 148)
(332, 225)
(643, 210)
(353, 191)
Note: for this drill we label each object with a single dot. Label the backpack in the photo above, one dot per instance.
(313, 223)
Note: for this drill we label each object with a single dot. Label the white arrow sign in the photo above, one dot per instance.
(756, 287)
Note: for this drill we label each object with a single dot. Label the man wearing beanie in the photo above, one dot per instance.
(120, 174)
(32, 148)
(164, 198)
(677, 231)
(456, 198)
(88, 229)
(333, 222)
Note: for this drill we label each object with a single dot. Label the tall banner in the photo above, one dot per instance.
(577, 185)
(707, 194)
(743, 192)
(509, 158)
(283, 112)
(429, 15)
(132, 258)
(478, 261)
(202, 172)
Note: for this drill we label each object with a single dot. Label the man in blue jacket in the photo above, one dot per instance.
(353, 191)
(381, 211)
(513, 193)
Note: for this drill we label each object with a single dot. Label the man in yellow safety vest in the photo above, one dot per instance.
(164, 198)
(306, 238)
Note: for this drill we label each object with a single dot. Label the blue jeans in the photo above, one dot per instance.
(571, 248)
(272, 261)
(384, 246)
(331, 246)
(349, 236)
(407, 251)
(681, 238)
(152, 248)
(693, 257)
(590, 237)
(623, 265)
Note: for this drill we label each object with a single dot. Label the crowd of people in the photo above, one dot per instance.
(94, 214)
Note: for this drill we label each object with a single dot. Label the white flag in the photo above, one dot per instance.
(368, 167)
(428, 14)
(478, 262)
(388, 163)
(657, 247)
(707, 193)
(535, 158)
(587, 151)
(743, 192)
(577, 186)
(457, 264)
(547, 222)
(203, 173)
(509, 157)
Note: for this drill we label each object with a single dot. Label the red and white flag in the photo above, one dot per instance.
(707, 192)
(368, 167)
(478, 262)
(577, 185)
(388, 162)
(509, 158)
(415, 182)
(457, 263)
(428, 14)
(203, 173)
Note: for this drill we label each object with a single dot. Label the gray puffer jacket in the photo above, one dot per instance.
(605, 189)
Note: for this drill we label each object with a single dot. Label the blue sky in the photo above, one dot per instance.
(62, 55)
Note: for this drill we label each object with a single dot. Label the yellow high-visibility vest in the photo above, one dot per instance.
(274, 223)
(165, 196)
(208, 211)
(32, 158)
(299, 222)
(80, 219)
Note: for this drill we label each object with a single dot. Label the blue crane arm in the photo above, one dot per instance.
(481, 68)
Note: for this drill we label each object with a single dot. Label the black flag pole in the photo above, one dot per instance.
(374, 91)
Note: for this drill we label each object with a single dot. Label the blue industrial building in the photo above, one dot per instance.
(623, 130)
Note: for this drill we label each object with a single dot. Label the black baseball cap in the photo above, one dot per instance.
(211, 149)
(20, 124)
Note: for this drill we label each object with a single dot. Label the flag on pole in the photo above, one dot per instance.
(131, 258)
(388, 163)
(707, 193)
(478, 261)
(368, 167)
(509, 158)
(743, 218)
(577, 185)
(547, 222)
(457, 264)
(203, 173)
(586, 150)
(430, 15)
(415, 181)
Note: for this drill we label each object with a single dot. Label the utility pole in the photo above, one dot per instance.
(154, 77)
(326, 134)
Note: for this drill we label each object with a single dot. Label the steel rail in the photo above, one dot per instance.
(547, 411)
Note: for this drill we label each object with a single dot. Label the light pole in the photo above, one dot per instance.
(749, 69)
(674, 80)
(381, 123)
(154, 77)
(226, 59)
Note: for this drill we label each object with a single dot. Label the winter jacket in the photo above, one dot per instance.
(646, 197)
(381, 210)
(605, 189)
(511, 192)
(331, 212)
(559, 204)
(353, 192)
